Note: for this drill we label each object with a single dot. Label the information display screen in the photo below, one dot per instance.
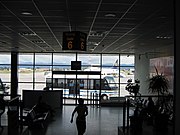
(75, 65)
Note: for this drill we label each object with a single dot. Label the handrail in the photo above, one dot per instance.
(14, 98)
(149, 96)
(126, 109)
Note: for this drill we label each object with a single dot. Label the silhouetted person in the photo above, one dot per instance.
(136, 120)
(150, 110)
(2, 106)
(150, 105)
(82, 112)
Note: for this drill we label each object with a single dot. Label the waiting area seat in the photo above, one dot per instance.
(33, 119)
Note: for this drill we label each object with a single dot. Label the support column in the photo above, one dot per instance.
(177, 71)
(14, 74)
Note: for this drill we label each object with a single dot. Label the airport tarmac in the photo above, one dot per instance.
(26, 80)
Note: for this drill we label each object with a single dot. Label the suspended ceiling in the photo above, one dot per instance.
(112, 26)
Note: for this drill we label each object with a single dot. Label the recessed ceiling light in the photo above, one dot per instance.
(91, 49)
(92, 44)
(163, 37)
(26, 13)
(38, 41)
(110, 15)
(27, 34)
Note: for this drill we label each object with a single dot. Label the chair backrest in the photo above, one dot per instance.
(32, 114)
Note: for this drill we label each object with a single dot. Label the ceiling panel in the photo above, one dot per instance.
(112, 26)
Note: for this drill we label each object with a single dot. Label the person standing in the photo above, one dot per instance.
(2, 106)
(82, 112)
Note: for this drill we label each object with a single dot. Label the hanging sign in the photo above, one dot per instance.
(74, 40)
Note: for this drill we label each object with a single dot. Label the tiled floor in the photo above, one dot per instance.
(100, 121)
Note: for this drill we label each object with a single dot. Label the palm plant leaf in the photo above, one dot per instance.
(158, 83)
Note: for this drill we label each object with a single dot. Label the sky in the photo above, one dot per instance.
(64, 59)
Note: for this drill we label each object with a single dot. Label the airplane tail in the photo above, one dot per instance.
(115, 65)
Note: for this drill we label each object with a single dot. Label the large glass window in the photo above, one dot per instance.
(5, 67)
(5, 58)
(127, 68)
(5, 71)
(90, 62)
(62, 61)
(25, 72)
(43, 59)
(26, 59)
(35, 70)
(43, 64)
(126, 72)
(63, 58)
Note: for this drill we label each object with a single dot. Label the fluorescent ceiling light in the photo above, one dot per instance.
(110, 15)
(26, 13)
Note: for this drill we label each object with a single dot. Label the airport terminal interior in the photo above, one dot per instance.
(116, 55)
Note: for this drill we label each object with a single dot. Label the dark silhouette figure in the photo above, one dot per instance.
(150, 106)
(42, 107)
(150, 110)
(82, 112)
(136, 120)
(2, 106)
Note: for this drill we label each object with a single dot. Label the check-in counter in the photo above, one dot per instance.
(52, 97)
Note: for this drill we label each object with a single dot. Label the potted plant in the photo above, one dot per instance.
(159, 84)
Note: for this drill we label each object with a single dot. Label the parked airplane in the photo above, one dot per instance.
(105, 71)
(114, 70)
